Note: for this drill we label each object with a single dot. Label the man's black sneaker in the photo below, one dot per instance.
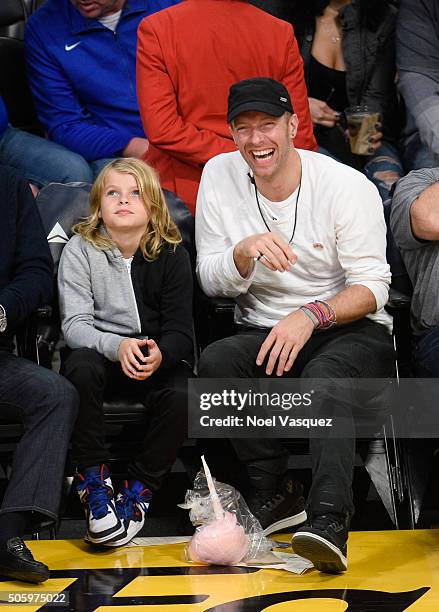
(323, 542)
(281, 509)
(17, 563)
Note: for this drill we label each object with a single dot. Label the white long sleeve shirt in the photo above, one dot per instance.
(340, 238)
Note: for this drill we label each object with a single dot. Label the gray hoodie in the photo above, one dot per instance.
(96, 298)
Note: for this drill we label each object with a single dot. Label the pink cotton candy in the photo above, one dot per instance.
(222, 542)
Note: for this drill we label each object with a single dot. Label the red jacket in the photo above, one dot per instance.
(188, 56)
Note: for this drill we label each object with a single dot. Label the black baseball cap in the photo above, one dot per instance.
(260, 94)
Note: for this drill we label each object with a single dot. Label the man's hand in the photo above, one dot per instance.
(153, 361)
(269, 248)
(321, 113)
(284, 342)
(137, 147)
(131, 358)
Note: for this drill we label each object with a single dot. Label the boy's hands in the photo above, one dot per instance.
(134, 364)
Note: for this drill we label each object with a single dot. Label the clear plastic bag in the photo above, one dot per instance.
(202, 513)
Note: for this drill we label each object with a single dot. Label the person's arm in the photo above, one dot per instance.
(76, 305)
(32, 282)
(417, 54)
(176, 337)
(380, 93)
(165, 127)
(59, 109)
(414, 215)
(216, 269)
(294, 81)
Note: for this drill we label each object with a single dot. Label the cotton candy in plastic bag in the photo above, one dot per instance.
(227, 532)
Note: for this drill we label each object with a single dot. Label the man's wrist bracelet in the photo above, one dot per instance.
(321, 314)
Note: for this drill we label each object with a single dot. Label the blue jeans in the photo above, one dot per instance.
(47, 404)
(43, 161)
(383, 168)
(417, 155)
(426, 353)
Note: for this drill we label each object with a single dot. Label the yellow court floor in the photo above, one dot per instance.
(389, 571)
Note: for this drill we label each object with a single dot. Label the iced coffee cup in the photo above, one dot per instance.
(361, 122)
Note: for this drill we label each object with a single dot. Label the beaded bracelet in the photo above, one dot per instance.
(321, 314)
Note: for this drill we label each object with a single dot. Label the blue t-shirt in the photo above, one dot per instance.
(3, 117)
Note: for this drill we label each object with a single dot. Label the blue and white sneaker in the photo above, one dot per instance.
(131, 505)
(96, 493)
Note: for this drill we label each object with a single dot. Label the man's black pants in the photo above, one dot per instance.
(362, 349)
(164, 394)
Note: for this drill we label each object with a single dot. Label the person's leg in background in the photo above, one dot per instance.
(42, 161)
(384, 168)
(47, 405)
(416, 154)
(426, 353)
(97, 165)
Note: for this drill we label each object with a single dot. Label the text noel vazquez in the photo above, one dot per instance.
(254, 421)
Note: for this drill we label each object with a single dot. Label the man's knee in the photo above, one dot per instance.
(219, 359)
(65, 396)
(53, 393)
(74, 168)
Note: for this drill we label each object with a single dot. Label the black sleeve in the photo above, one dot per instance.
(31, 284)
(176, 337)
(381, 89)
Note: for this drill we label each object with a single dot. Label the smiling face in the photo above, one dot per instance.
(95, 9)
(265, 142)
(122, 208)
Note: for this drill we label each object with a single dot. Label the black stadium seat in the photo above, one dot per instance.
(13, 82)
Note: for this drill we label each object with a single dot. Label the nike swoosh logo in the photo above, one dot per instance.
(70, 47)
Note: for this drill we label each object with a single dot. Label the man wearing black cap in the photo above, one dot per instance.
(298, 240)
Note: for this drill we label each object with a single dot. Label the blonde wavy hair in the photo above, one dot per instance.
(160, 228)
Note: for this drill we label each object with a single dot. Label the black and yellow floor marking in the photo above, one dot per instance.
(389, 571)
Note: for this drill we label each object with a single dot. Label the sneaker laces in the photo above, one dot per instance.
(274, 500)
(323, 521)
(97, 494)
(128, 499)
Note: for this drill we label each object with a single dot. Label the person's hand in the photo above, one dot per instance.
(375, 139)
(154, 359)
(137, 147)
(131, 358)
(283, 343)
(321, 113)
(269, 249)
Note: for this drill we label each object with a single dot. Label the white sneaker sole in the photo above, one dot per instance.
(106, 538)
(129, 534)
(324, 555)
(289, 521)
